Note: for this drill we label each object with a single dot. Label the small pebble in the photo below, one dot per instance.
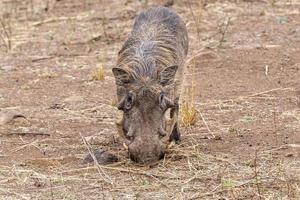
(289, 155)
(103, 157)
(218, 137)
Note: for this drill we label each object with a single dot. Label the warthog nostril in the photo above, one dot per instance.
(162, 155)
(133, 158)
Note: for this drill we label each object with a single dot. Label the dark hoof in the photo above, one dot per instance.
(175, 135)
(102, 157)
(175, 108)
(172, 112)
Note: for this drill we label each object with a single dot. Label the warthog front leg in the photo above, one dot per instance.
(175, 133)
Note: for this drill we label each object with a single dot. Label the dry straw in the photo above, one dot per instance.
(99, 74)
(188, 111)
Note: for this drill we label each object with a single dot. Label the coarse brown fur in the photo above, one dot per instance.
(148, 77)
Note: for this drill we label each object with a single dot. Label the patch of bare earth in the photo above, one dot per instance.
(245, 59)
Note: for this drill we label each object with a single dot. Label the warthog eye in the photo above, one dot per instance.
(127, 102)
(161, 101)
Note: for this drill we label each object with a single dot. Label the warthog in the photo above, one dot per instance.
(148, 76)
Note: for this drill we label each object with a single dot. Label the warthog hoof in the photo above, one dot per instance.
(175, 135)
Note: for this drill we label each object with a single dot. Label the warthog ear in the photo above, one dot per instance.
(167, 75)
(122, 76)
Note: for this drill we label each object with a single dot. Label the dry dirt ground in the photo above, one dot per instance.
(244, 61)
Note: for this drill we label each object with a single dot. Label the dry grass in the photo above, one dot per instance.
(273, 2)
(99, 74)
(223, 28)
(188, 110)
(6, 32)
(185, 173)
(188, 115)
(196, 16)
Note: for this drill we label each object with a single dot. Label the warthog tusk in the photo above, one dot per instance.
(171, 145)
(131, 132)
(125, 146)
(121, 104)
(165, 141)
(161, 131)
(166, 103)
(169, 102)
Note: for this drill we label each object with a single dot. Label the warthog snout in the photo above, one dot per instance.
(145, 153)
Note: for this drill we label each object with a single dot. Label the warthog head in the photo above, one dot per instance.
(144, 101)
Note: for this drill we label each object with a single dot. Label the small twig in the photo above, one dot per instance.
(207, 127)
(42, 58)
(78, 18)
(162, 183)
(103, 21)
(153, 176)
(28, 133)
(266, 70)
(14, 193)
(26, 145)
(285, 146)
(51, 20)
(240, 98)
(223, 31)
(139, 172)
(268, 91)
(101, 172)
(256, 175)
(195, 55)
(214, 192)
(196, 21)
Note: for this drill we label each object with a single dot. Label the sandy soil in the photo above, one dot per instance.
(245, 63)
